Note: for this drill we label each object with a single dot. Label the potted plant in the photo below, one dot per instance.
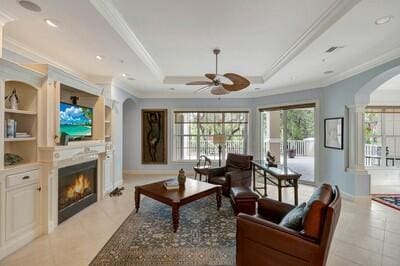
(291, 153)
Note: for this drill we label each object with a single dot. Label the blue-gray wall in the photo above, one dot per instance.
(331, 100)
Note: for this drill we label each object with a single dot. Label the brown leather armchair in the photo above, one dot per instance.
(236, 172)
(262, 241)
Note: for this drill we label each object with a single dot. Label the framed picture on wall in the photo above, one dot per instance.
(154, 136)
(333, 133)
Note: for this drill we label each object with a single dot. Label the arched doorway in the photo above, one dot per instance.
(380, 98)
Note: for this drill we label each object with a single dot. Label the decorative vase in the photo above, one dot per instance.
(181, 177)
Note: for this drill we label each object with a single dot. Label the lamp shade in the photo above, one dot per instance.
(219, 139)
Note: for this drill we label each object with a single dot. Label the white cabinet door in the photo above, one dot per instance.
(108, 174)
(22, 210)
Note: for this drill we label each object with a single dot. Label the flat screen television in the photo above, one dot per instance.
(75, 120)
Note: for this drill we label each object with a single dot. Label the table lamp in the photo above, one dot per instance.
(219, 140)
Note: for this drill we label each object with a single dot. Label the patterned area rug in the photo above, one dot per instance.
(391, 200)
(205, 236)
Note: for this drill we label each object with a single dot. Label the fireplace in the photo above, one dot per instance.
(77, 188)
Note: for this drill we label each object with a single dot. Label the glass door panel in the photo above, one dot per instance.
(289, 136)
(300, 142)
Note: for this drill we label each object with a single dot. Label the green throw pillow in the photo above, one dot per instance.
(294, 218)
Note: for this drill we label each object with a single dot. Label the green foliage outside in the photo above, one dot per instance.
(300, 124)
(370, 129)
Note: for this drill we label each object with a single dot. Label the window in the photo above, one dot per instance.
(382, 137)
(194, 131)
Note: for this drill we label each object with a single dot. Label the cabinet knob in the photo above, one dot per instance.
(39, 189)
(25, 177)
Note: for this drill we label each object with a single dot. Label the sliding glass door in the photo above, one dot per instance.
(288, 133)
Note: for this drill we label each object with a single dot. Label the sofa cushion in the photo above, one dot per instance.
(294, 218)
(315, 211)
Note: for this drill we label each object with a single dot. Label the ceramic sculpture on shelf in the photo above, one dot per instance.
(12, 100)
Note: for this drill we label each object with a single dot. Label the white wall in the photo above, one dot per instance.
(120, 96)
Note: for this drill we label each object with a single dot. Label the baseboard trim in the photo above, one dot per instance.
(155, 172)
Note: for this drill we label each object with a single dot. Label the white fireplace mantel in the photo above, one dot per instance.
(53, 158)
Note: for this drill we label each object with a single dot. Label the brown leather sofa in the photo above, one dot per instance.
(262, 241)
(236, 173)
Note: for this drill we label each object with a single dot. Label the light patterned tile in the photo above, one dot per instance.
(358, 240)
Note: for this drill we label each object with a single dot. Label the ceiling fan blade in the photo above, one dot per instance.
(202, 88)
(210, 76)
(199, 83)
(239, 82)
(219, 90)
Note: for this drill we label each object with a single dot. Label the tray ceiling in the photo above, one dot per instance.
(279, 45)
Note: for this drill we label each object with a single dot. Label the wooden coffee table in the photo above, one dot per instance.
(193, 190)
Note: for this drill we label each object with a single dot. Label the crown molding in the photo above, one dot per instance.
(382, 59)
(13, 71)
(337, 10)
(5, 17)
(108, 10)
(19, 48)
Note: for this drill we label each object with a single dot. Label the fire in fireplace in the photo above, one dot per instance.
(77, 185)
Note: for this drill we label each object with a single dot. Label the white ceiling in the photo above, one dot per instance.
(279, 45)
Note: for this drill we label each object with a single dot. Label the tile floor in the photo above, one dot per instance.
(368, 233)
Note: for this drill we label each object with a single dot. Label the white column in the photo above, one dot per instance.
(356, 138)
(356, 153)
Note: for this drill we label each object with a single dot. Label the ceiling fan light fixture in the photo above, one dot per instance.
(219, 90)
(221, 84)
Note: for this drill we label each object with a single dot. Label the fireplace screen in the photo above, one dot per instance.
(76, 188)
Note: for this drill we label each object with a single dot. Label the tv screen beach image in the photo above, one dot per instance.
(75, 120)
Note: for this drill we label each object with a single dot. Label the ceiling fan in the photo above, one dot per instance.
(221, 84)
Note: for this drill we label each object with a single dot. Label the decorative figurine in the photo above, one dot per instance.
(181, 177)
(12, 100)
(271, 160)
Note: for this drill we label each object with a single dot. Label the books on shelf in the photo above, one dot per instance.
(22, 135)
(11, 128)
(171, 184)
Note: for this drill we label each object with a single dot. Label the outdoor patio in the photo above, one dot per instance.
(304, 165)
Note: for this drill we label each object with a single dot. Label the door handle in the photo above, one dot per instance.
(39, 189)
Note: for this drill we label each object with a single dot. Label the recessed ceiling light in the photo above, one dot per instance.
(383, 20)
(328, 72)
(99, 57)
(124, 75)
(30, 6)
(51, 23)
